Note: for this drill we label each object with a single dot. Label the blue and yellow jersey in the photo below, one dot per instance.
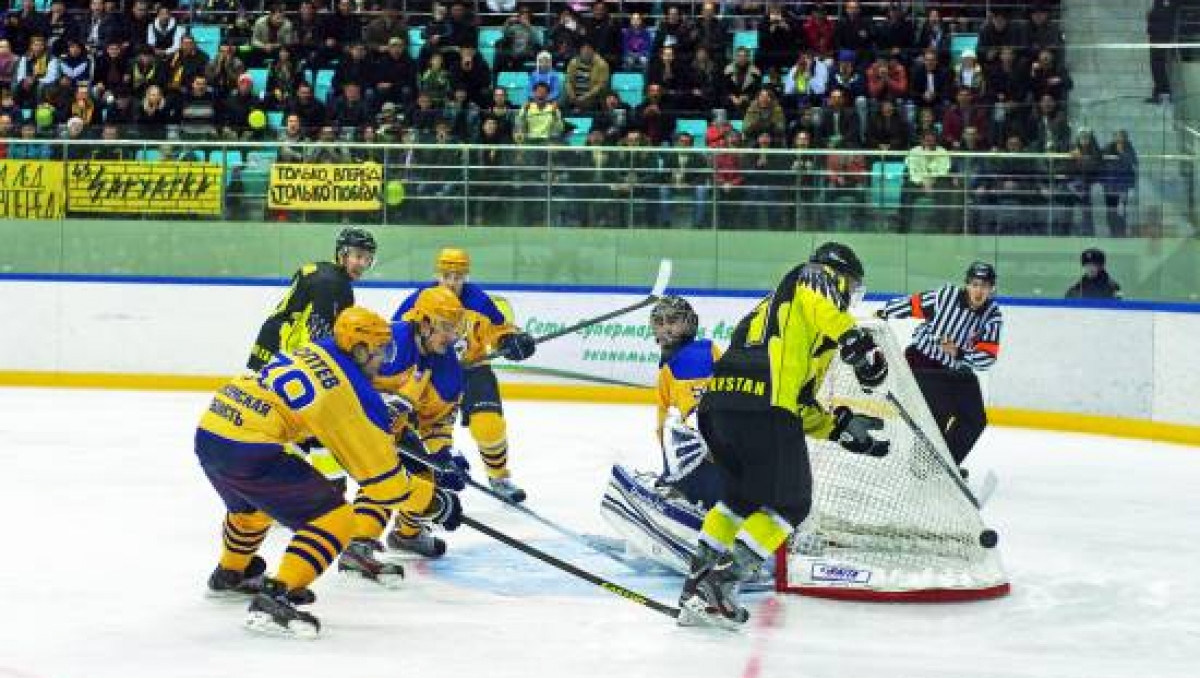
(436, 401)
(683, 377)
(318, 391)
(780, 351)
(487, 319)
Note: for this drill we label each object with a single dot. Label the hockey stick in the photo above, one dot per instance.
(613, 588)
(950, 471)
(987, 488)
(660, 284)
(594, 545)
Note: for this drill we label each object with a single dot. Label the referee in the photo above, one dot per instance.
(959, 335)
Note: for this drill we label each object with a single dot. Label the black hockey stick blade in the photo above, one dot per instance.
(665, 267)
(611, 587)
(950, 471)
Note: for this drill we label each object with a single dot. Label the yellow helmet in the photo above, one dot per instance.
(437, 304)
(359, 325)
(453, 260)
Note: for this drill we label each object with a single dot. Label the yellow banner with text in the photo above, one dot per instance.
(160, 187)
(31, 189)
(332, 187)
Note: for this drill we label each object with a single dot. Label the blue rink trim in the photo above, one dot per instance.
(1032, 302)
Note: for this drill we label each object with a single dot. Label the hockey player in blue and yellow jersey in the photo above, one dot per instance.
(319, 390)
(426, 377)
(759, 406)
(488, 327)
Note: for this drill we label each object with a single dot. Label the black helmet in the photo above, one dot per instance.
(1092, 256)
(353, 236)
(981, 270)
(840, 258)
(672, 307)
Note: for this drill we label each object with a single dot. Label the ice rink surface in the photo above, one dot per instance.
(111, 531)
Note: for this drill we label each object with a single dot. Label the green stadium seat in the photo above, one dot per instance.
(232, 161)
(580, 128)
(208, 38)
(747, 39)
(487, 43)
(696, 127)
(147, 154)
(323, 85)
(516, 83)
(275, 119)
(629, 86)
(737, 124)
(961, 42)
(258, 76)
(415, 42)
(887, 181)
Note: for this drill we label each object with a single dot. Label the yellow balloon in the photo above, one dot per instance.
(257, 119)
(393, 193)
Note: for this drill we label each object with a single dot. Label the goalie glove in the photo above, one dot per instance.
(683, 448)
(517, 346)
(853, 432)
(859, 351)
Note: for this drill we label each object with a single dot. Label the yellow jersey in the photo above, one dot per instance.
(436, 402)
(683, 377)
(487, 319)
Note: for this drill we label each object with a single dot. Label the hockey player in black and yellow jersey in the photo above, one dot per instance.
(321, 389)
(426, 381)
(754, 416)
(318, 292)
(489, 327)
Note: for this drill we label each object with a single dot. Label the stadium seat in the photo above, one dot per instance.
(208, 38)
(747, 39)
(275, 120)
(960, 43)
(580, 128)
(231, 160)
(629, 86)
(258, 76)
(323, 85)
(147, 154)
(415, 42)
(737, 124)
(887, 181)
(487, 44)
(515, 83)
(693, 126)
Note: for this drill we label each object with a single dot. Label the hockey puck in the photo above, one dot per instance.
(988, 538)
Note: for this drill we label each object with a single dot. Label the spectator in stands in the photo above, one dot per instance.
(1160, 29)
(593, 184)
(435, 81)
(842, 121)
(471, 73)
(59, 96)
(463, 115)
(463, 32)
(164, 34)
(819, 31)
(8, 64)
(930, 82)
(999, 32)
(394, 74)
(685, 179)
(764, 115)
(145, 71)
(800, 79)
(138, 24)
(327, 149)
(351, 110)
(896, 36)
(185, 65)
(291, 140)
(343, 29)
(502, 111)
(283, 77)
(654, 117)
(518, 43)
(20, 25)
(564, 38)
(154, 114)
(970, 177)
(811, 121)
(8, 106)
(543, 72)
(668, 73)
(103, 24)
(887, 130)
(121, 108)
(854, 31)
(110, 70)
(354, 69)
(539, 120)
(604, 33)
(271, 32)
(637, 43)
(887, 79)
(675, 31)
(702, 84)
(1096, 283)
(83, 107)
(935, 35)
(75, 65)
(1050, 77)
(1120, 180)
(310, 37)
(312, 113)
(741, 80)
(808, 168)
(233, 110)
(964, 113)
(614, 118)
(969, 75)
(390, 24)
(198, 111)
(1052, 131)
(60, 27)
(32, 71)
(927, 173)
(711, 31)
(845, 179)
(1042, 33)
(1087, 172)
(768, 179)
(423, 116)
(777, 42)
(728, 176)
(489, 175)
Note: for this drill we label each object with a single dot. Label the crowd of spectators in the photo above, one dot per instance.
(861, 81)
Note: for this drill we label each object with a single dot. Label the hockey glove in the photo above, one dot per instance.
(401, 413)
(517, 346)
(859, 351)
(450, 469)
(853, 432)
(445, 510)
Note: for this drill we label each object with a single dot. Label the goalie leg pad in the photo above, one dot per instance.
(662, 527)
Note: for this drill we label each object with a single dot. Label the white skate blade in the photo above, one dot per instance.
(694, 613)
(387, 581)
(262, 623)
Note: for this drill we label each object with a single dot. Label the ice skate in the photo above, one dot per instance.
(226, 584)
(424, 543)
(709, 596)
(273, 613)
(505, 487)
(359, 560)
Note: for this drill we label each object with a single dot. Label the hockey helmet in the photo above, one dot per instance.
(1094, 256)
(981, 270)
(453, 260)
(669, 309)
(840, 258)
(353, 236)
(437, 305)
(358, 325)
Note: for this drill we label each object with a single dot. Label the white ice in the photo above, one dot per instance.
(110, 531)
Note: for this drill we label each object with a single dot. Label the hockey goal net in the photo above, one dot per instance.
(901, 527)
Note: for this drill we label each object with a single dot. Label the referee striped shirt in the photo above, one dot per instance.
(947, 314)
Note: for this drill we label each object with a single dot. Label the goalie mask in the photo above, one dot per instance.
(673, 321)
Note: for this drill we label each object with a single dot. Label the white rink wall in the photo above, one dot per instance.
(1137, 364)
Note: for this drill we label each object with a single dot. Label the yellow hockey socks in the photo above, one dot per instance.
(241, 535)
(491, 435)
(315, 546)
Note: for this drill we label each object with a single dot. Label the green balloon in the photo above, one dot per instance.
(44, 117)
(393, 193)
